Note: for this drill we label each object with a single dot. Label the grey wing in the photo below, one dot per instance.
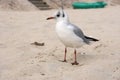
(79, 33)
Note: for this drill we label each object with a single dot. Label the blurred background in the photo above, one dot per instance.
(44, 4)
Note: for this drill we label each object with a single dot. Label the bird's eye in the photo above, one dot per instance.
(58, 15)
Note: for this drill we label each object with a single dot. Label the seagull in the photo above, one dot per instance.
(69, 34)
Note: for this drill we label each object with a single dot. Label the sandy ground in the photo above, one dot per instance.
(16, 5)
(19, 60)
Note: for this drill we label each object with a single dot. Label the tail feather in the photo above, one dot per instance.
(91, 39)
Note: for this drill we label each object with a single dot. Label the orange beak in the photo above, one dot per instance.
(50, 18)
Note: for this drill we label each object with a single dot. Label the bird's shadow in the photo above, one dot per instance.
(88, 58)
(84, 59)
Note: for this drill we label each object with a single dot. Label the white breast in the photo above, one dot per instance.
(67, 35)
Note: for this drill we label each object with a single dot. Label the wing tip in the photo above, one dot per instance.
(92, 39)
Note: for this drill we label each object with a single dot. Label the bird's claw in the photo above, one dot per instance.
(75, 63)
(64, 61)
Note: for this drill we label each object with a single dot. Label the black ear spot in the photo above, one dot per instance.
(63, 15)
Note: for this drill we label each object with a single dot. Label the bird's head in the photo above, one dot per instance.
(60, 15)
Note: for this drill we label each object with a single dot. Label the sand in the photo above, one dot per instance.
(17, 5)
(21, 60)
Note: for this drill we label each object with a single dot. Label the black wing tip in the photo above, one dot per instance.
(95, 39)
(92, 39)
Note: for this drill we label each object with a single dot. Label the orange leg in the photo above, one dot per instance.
(65, 55)
(75, 62)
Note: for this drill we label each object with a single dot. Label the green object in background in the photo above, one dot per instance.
(86, 5)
